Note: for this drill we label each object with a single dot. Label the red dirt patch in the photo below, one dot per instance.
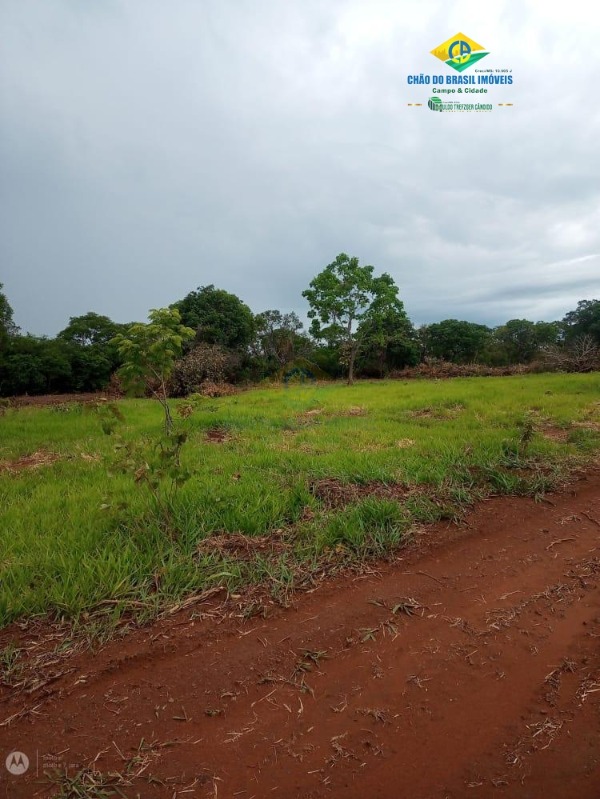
(241, 546)
(217, 435)
(555, 434)
(469, 667)
(33, 461)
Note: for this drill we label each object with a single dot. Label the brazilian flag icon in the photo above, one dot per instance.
(460, 52)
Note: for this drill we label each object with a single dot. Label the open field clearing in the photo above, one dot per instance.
(286, 484)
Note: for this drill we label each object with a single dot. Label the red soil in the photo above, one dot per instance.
(484, 682)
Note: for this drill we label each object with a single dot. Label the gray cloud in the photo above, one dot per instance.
(147, 149)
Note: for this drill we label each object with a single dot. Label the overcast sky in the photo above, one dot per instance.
(148, 147)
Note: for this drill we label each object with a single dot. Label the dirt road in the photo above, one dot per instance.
(470, 667)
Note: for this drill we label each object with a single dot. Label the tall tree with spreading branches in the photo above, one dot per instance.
(341, 297)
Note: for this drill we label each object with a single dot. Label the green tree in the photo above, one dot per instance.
(340, 297)
(91, 328)
(386, 334)
(217, 317)
(149, 352)
(33, 365)
(547, 333)
(94, 357)
(584, 320)
(454, 340)
(520, 341)
(279, 338)
(91, 366)
(516, 340)
(7, 325)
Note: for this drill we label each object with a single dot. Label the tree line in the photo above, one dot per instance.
(358, 327)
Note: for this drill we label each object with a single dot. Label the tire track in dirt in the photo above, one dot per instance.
(470, 667)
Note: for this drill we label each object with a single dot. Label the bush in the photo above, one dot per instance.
(205, 364)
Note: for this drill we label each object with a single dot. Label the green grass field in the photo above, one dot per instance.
(73, 534)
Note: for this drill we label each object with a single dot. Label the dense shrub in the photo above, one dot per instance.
(210, 363)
